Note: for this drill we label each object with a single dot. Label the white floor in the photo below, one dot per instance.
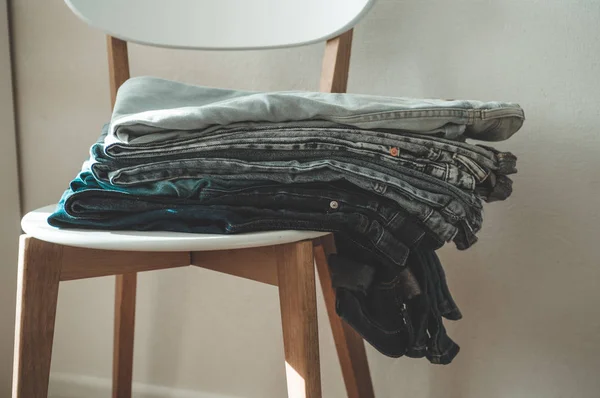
(76, 386)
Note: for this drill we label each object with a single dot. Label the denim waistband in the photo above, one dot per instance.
(465, 172)
(468, 176)
(404, 145)
(422, 204)
(385, 231)
(455, 204)
(195, 188)
(416, 199)
(265, 151)
(474, 169)
(312, 197)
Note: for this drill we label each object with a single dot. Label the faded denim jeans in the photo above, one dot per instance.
(150, 110)
(456, 163)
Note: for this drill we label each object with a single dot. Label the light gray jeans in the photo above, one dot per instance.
(151, 110)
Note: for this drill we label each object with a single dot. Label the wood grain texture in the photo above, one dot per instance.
(257, 263)
(118, 65)
(349, 344)
(37, 294)
(118, 69)
(297, 296)
(125, 290)
(336, 64)
(80, 263)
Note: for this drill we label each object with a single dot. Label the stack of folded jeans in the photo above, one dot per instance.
(393, 178)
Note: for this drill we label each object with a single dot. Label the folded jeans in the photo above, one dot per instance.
(149, 109)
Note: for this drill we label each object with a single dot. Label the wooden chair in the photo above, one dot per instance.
(48, 256)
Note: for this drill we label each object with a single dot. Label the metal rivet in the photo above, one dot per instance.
(394, 151)
(333, 204)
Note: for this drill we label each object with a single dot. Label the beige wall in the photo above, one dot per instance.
(528, 290)
(9, 209)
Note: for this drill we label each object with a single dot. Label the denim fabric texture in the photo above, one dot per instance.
(392, 178)
(149, 109)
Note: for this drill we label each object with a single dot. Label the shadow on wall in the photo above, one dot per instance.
(211, 332)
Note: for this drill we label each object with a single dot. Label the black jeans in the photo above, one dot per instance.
(419, 331)
(373, 236)
(426, 310)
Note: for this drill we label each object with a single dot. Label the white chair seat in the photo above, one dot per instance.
(35, 224)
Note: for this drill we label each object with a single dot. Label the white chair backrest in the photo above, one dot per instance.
(222, 24)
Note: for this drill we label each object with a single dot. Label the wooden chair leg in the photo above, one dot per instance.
(37, 294)
(297, 295)
(118, 68)
(125, 292)
(349, 344)
(336, 63)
